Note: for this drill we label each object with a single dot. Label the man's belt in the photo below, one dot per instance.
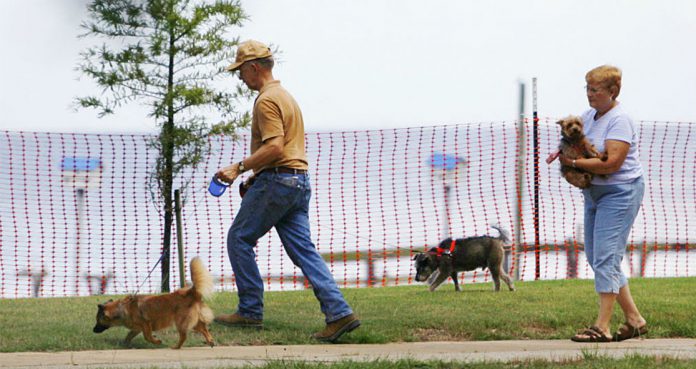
(284, 170)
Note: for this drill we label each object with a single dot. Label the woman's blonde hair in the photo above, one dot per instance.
(608, 76)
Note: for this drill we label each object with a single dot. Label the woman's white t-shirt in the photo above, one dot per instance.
(617, 125)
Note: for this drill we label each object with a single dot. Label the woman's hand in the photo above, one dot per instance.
(552, 156)
(566, 161)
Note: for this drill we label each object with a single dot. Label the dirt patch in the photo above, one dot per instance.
(435, 334)
(534, 332)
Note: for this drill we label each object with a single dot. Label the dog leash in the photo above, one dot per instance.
(148, 274)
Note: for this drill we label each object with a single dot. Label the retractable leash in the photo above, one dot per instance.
(149, 274)
(217, 187)
(116, 281)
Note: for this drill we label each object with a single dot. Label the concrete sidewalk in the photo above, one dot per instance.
(202, 357)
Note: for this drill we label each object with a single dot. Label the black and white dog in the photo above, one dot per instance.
(454, 256)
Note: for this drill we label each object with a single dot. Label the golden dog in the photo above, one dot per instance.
(183, 308)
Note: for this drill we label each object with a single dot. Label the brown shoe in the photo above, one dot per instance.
(336, 329)
(236, 320)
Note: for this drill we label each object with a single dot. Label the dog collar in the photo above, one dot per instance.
(441, 250)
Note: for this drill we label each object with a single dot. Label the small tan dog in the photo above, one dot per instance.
(574, 145)
(184, 308)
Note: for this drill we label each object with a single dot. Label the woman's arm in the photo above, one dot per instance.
(616, 155)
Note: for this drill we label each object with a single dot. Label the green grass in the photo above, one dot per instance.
(537, 310)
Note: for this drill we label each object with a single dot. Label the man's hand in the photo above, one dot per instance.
(229, 173)
(244, 186)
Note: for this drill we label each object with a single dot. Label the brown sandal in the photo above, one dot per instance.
(591, 334)
(627, 331)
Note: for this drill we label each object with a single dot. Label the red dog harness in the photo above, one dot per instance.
(441, 251)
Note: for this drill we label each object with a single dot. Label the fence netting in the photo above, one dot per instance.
(79, 216)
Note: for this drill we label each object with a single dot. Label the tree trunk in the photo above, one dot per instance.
(168, 154)
(167, 185)
(166, 247)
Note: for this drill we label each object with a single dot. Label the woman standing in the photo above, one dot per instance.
(611, 203)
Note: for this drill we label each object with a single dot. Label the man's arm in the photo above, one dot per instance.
(269, 151)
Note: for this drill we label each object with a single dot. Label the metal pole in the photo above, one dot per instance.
(80, 198)
(520, 182)
(537, 250)
(179, 237)
(446, 226)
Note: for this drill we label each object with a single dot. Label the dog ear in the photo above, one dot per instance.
(102, 306)
(444, 244)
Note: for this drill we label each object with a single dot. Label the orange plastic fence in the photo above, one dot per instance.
(77, 215)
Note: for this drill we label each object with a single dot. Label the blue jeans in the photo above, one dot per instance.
(609, 214)
(279, 200)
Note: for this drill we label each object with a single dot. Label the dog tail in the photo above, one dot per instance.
(202, 281)
(504, 235)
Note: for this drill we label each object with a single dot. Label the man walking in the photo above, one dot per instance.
(278, 196)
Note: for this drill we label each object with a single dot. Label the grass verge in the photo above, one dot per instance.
(537, 310)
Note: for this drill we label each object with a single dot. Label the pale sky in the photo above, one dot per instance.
(372, 64)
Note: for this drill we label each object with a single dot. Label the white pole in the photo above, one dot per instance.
(520, 181)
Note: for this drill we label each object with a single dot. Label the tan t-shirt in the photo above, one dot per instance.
(276, 113)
